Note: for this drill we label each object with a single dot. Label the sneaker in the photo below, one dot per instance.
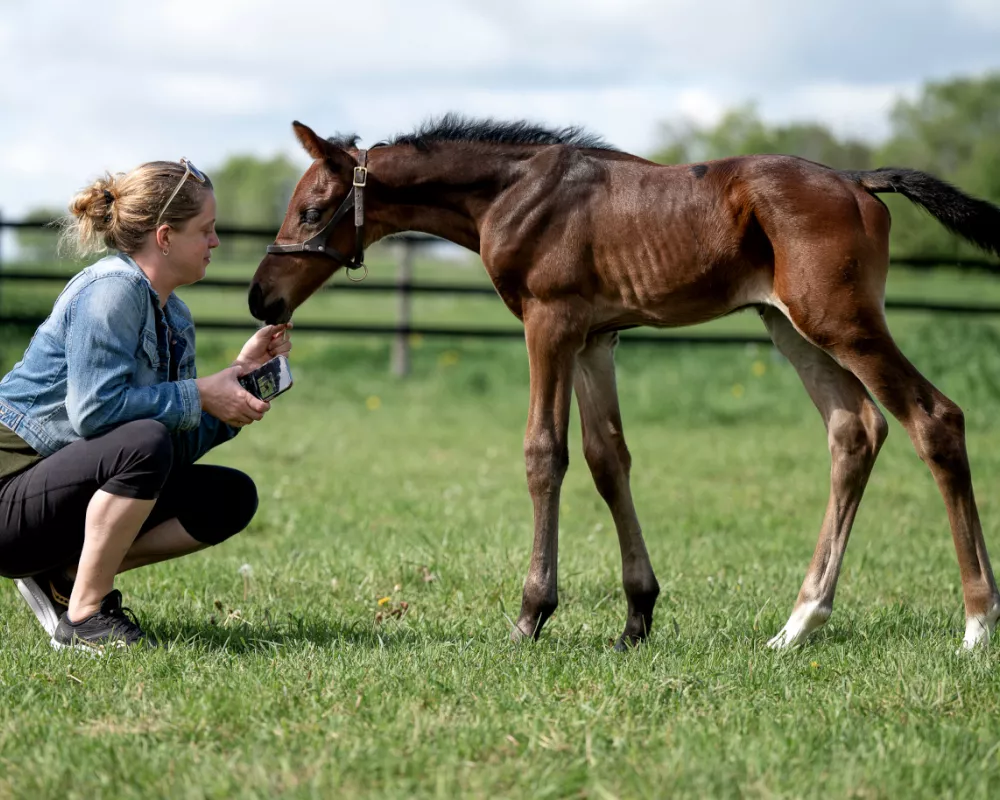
(111, 628)
(47, 595)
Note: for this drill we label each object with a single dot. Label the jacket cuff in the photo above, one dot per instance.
(190, 404)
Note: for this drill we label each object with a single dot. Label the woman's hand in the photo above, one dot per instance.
(224, 398)
(265, 344)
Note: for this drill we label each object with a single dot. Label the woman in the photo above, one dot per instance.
(102, 420)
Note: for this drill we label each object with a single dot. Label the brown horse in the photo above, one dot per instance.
(581, 241)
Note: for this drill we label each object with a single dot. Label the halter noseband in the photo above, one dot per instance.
(317, 244)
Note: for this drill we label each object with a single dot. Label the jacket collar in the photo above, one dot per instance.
(130, 262)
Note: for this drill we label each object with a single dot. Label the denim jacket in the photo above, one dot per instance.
(107, 355)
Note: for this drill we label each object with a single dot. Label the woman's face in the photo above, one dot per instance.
(192, 243)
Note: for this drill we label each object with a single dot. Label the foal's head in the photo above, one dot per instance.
(465, 159)
(285, 279)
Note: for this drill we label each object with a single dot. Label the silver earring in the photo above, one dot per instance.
(166, 252)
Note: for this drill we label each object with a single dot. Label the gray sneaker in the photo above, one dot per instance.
(48, 597)
(111, 628)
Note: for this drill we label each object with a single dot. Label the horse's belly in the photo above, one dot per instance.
(672, 299)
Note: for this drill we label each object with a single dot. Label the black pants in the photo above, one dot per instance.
(43, 509)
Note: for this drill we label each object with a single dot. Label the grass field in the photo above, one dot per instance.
(305, 678)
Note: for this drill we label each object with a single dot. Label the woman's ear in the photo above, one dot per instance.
(162, 234)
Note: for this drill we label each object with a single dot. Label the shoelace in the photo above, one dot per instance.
(129, 615)
(120, 613)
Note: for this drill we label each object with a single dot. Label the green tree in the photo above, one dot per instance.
(252, 192)
(741, 131)
(952, 130)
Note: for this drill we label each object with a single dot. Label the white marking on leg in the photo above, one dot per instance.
(979, 628)
(804, 620)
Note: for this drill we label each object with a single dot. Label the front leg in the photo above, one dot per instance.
(554, 333)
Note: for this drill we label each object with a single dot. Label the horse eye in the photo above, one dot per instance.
(311, 216)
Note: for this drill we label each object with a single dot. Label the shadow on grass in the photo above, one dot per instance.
(890, 625)
(294, 633)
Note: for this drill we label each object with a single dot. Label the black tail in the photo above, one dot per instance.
(971, 218)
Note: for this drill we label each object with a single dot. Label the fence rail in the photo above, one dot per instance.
(463, 289)
(405, 288)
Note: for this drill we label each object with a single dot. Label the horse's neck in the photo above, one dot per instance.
(444, 193)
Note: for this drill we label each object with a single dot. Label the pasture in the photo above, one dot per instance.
(364, 652)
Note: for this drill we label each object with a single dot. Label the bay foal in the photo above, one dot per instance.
(581, 241)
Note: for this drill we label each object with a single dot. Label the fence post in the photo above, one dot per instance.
(401, 344)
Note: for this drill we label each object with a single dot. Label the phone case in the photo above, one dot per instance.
(270, 380)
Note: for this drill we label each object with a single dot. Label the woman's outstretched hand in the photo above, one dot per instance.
(224, 398)
(265, 344)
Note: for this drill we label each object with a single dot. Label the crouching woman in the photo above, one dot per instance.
(103, 419)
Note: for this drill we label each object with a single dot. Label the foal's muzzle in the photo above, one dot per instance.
(272, 313)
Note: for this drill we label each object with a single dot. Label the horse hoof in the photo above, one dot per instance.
(627, 642)
(518, 633)
(804, 620)
(979, 628)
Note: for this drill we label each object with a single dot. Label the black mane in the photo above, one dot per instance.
(456, 128)
(345, 141)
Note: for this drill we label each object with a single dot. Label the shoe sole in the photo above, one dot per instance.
(92, 649)
(39, 604)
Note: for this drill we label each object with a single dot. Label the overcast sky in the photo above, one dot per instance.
(89, 86)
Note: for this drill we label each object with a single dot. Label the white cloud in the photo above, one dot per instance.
(848, 109)
(210, 93)
(983, 12)
(700, 106)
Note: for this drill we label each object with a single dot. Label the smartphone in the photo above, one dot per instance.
(270, 380)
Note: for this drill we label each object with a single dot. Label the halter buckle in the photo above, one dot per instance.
(361, 177)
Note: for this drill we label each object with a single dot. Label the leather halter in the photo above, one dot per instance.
(318, 244)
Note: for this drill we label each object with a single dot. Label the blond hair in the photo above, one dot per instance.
(117, 211)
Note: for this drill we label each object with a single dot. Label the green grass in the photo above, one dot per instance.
(414, 490)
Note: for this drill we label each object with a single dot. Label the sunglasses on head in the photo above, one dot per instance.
(189, 169)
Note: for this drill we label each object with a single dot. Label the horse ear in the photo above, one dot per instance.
(314, 144)
(320, 148)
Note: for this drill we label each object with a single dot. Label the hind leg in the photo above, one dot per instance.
(609, 461)
(936, 427)
(855, 433)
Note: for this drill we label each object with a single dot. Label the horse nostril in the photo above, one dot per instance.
(271, 313)
(256, 301)
(276, 312)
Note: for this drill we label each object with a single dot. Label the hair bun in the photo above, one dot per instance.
(95, 202)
